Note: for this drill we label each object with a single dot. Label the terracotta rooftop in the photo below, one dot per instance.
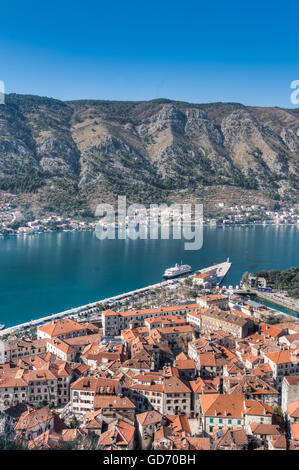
(149, 417)
(60, 327)
(222, 405)
(118, 434)
(295, 431)
(31, 418)
(112, 402)
(293, 409)
(266, 429)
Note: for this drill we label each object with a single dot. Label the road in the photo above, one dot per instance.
(279, 299)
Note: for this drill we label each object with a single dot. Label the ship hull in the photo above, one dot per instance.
(172, 276)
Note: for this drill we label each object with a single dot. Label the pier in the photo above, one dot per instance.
(220, 270)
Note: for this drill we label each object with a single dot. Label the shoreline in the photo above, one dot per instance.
(268, 297)
(79, 309)
(86, 304)
(91, 305)
(90, 229)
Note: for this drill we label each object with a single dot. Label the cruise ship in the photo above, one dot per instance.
(177, 270)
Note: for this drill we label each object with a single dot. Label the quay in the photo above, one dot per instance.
(91, 307)
(220, 269)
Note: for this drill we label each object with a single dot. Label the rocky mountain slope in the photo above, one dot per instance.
(65, 157)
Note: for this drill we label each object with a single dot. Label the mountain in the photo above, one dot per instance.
(65, 157)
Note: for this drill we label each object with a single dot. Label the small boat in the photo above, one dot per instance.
(2, 326)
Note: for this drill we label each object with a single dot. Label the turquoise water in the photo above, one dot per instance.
(48, 273)
(272, 305)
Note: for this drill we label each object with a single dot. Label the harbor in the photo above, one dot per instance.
(220, 269)
(57, 272)
(92, 311)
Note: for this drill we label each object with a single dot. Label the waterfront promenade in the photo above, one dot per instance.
(81, 309)
(221, 270)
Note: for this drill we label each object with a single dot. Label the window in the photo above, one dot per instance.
(211, 420)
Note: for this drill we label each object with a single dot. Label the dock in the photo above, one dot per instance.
(220, 270)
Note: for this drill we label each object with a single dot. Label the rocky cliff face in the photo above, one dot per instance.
(67, 157)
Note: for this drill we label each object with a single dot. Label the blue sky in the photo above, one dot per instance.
(132, 50)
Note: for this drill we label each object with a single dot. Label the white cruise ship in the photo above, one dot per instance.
(177, 270)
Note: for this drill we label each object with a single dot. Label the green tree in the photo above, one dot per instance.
(74, 423)
(41, 404)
